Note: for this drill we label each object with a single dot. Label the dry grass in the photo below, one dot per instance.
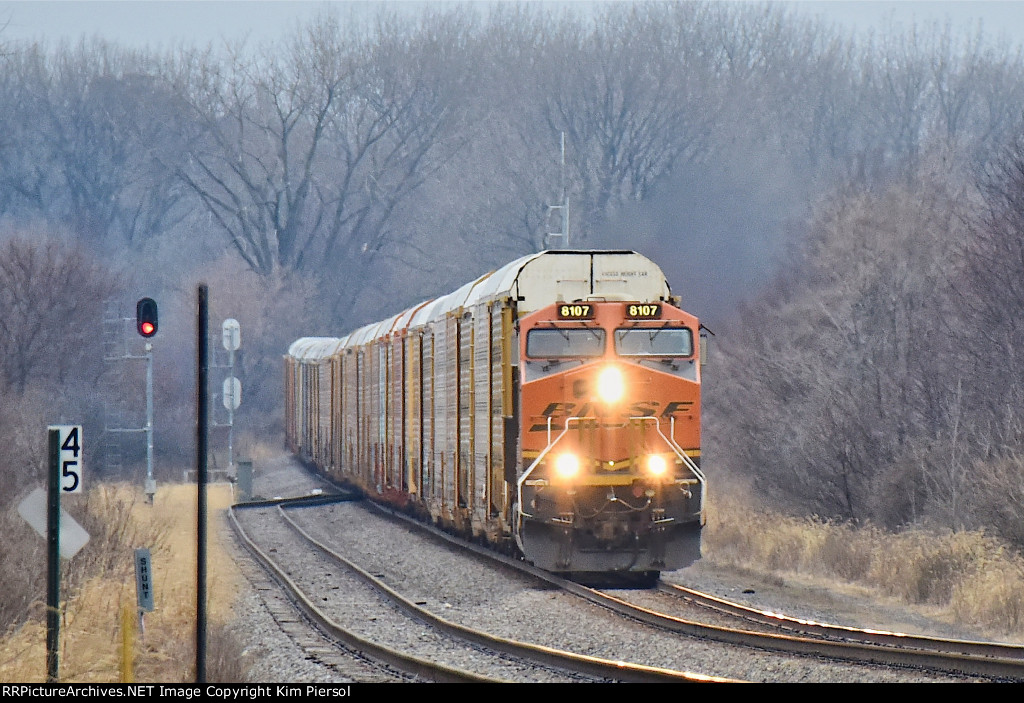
(970, 577)
(91, 628)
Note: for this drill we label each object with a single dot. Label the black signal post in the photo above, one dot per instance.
(202, 373)
(53, 560)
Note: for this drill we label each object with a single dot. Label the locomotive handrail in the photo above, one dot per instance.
(690, 463)
(544, 452)
(670, 441)
(679, 451)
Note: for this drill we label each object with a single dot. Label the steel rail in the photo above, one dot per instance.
(999, 650)
(604, 669)
(420, 668)
(948, 662)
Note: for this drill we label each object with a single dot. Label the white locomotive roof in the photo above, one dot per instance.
(314, 348)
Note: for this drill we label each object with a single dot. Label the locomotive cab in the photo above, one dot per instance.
(610, 435)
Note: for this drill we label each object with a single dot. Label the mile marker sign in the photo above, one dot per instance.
(71, 468)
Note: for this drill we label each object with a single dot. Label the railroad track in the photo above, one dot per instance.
(793, 636)
(780, 621)
(318, 598)
(779, 633)
(317, 647)
(438, 577)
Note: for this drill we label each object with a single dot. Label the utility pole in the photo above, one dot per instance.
(202, 430)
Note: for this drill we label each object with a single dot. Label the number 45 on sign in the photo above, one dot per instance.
(71, 467)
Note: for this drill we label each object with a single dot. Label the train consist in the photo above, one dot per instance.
(550, 407)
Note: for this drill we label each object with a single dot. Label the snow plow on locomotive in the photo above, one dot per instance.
(550, 407)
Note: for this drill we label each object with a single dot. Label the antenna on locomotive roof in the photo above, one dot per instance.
(559, 212)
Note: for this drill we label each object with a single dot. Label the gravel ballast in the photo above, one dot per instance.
(480, 594)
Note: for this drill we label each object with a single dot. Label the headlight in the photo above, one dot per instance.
(610, 385)
(656, 465)
(567, 466)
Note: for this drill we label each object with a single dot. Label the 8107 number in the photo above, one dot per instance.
(643, 310)
(575, 312)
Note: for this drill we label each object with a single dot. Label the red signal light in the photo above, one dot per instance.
(145, 317)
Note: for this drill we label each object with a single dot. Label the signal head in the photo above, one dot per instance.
(146, 317)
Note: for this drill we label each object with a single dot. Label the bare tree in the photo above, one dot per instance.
(86, 133)
(306, 156)
(634, 99)
(51, 305)
(28, 182)
(1000, 94)
(849, 367)
(992, 290)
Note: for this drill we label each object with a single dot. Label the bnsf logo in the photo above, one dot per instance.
(639, 409)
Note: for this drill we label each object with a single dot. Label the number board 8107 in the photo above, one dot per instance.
(576, 311)
(643, 311)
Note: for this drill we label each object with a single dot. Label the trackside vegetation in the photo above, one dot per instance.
(99, 584)
(966, 578)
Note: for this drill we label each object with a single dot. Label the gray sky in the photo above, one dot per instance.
(155, 22)
(167, 22)
(998, 18)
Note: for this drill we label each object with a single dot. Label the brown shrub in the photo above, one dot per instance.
(977, 578)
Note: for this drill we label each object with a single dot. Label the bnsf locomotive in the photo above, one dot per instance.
(551, 406)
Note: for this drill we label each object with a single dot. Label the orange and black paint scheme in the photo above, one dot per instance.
(610, 427)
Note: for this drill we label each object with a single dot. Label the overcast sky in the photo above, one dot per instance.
(167, 22)
(997, 17)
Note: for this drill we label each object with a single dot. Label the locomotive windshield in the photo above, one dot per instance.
(554, 343)
(654, 341)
